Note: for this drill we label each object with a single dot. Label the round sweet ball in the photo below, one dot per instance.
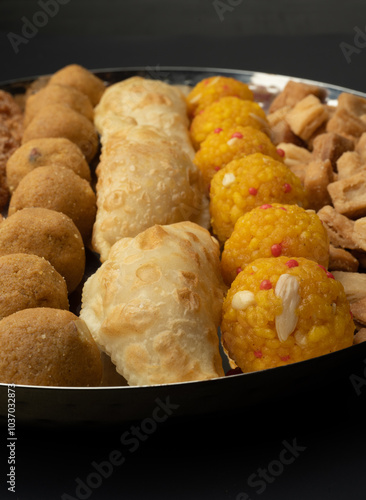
(48, 234)
(48, 347)
(57, 94)
(57, 151)
(58, 120)
(28, 281)
(82, 79)
(282, 310)
(59, 189)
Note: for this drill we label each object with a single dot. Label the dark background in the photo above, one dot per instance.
(208, 457)
(300, 38)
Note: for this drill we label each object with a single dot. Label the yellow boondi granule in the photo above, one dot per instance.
(274, 230)
(222, 146)
(226, 113)
(249, 182)
(279, 311)
(213, 88)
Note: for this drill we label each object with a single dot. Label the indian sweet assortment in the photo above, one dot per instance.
(221, 222)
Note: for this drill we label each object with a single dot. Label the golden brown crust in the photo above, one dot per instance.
(144, 179)
(347, 124)
(349, 195)
(361, 147)
(348, 164)
(340, 229)
(342, 260)
(155, 305)
(307, 116)
(295, 155)
(318, 175)
(48, 347)
(48, 234)
(295, 92)
(146, 102)
(28, 281)
(331, 146)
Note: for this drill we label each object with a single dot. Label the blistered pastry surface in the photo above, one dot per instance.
(144, 178)
(148, 102)
(154, 306)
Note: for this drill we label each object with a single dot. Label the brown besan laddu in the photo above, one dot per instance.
(48, 347)
(51, 151)
(80, 78)
(28, 281)
(48, 234)
(59, 189)
(57, 94)
(58, 120)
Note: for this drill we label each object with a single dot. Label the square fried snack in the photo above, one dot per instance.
(155, 305)
(349, 195)
(294, 92)
(307, 116)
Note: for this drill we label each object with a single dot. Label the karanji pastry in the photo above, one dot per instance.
(144, 178)
(145, 102)
(155, 305)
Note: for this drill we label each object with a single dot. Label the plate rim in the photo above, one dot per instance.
(208, 69)
(356, 349)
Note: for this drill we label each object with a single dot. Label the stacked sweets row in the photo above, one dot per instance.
(43, 238)
(283, 304)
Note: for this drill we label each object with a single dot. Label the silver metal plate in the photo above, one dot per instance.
(52, 406)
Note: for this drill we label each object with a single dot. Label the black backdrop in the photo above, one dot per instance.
(316, 39)
(230, 456)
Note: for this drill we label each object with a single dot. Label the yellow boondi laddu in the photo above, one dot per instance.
(222, 146)
(213, 88)
(279, 311)
(274, 230)
(226, 113)
(249, 182)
